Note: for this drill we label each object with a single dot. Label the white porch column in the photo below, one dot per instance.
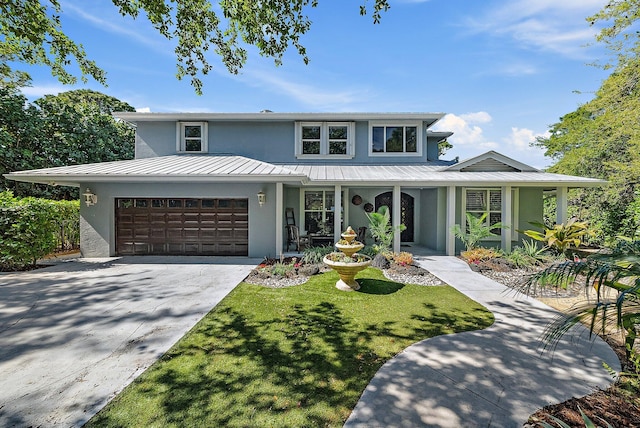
(279, 218)
(507, 218)
(337, 209)
(397, 217)
(561, 204)
(450, 242)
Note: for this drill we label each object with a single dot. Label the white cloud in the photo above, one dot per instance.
(136, 32)
(313, 96)
(469, 139)
(551, 25)
(39, 91)
(143, 110)
(477, 117)
(465, 130)
(521, 138)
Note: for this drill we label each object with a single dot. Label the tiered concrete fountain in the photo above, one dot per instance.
(347, 262)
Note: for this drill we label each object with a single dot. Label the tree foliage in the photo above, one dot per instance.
(33, 34)
(619, 31)
(71, 128)
(601, 139)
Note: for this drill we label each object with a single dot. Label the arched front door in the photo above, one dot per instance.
(406, 212)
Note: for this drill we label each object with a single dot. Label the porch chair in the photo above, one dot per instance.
(293, 237)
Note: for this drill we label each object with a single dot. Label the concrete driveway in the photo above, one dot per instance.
(73, 335)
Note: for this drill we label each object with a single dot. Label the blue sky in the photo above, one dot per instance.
(502, 70)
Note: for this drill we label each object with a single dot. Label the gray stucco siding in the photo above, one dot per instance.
(266, 141)
(97, 223)
(155, 139)
(531, 206)
(272, 142)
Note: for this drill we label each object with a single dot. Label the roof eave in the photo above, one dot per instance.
(75, 180)
(134, 117)
(459, 183)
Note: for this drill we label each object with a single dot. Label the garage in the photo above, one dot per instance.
(182, 226)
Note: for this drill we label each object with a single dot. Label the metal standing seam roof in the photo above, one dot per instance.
(211, 168)
(431, 175)
(184, 168)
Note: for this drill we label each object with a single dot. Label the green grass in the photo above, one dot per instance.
(298, 356)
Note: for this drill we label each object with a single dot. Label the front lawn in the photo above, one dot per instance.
(298, 356)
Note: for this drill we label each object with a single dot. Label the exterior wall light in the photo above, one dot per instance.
(90, 198)
(262, 198)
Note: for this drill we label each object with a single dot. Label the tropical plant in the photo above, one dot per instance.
(479, 254)
(403, 258)
(527, 255)
(615, 279)
(314, 255)
(381, 229)
(477, 229)
(520, 258)
(560, 237)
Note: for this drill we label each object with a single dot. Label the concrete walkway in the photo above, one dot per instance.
(73, 335)
(495, 377)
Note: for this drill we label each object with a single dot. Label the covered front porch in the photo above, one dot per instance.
(429, 212)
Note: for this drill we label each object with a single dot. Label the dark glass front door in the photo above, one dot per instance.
(406, 212)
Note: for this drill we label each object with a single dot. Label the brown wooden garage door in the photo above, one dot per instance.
(182, 226)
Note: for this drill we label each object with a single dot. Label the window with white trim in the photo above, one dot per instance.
(324, 139)
(318, 210)
(488, 201)
(395, 139)
(192, 137)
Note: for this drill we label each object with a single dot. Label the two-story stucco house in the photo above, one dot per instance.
(228, 183)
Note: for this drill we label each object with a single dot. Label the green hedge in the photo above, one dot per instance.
(31, 228)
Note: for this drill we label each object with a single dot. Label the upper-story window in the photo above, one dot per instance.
(192, 137)
(395, 139)
(324, 139)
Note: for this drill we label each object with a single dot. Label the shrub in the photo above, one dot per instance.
(479, 254)
(520, 258)
(368, 250)
(30, 229)
(403, 258)
(527, 255)
(314, 255)
(67, 220)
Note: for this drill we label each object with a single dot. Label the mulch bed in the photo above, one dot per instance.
(614, 405)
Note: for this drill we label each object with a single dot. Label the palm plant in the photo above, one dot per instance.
(381, 229)
(616, 273)
(477, 229)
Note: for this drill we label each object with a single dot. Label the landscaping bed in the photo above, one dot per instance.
(291, 271)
